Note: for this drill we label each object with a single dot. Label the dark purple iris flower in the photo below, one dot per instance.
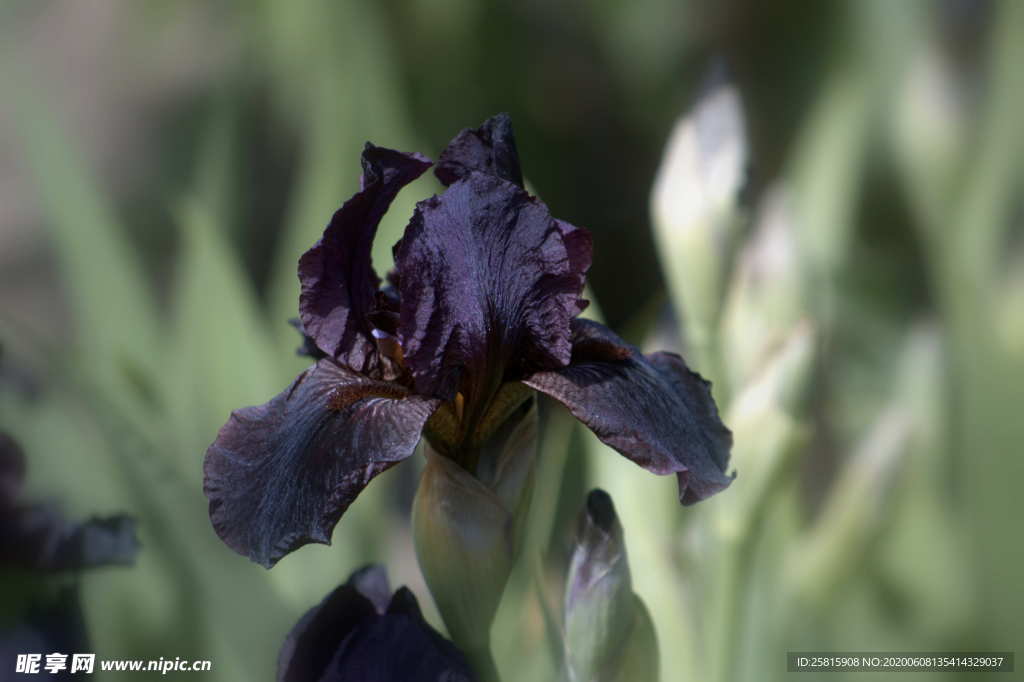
(35, 536)
(362, 632)
(480, 309)
(36, 540)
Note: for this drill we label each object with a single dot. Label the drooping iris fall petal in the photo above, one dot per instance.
(339, 283)
(489, 149)
(489, 284)
(280, 475)
(651, 408)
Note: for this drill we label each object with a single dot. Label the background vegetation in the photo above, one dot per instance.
(856, 293)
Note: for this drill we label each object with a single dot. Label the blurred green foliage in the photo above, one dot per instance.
(863, 320)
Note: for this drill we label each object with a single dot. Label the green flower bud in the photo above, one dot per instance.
(467, 528)
(765, 418)
(609, 635)
(764, 301)
(929, 129)
(694, 206)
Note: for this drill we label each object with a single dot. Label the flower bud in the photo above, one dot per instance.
(467, 528)
(929, 128)
(767, 423)
(764, 301)
(694, 205)
(609, 635)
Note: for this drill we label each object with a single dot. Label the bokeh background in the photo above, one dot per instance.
(819, 204)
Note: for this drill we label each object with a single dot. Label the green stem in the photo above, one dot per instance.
(734, 576)
(482, 662)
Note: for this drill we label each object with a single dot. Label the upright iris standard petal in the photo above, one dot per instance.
(338, 280)
(489, 283)
(308, 348)
(490, 149)
(280, 475)
(651, 408)
(579, 246)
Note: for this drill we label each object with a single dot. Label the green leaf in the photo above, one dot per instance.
(115, 324)
(222, 357)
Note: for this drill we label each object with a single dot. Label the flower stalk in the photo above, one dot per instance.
(467, 527)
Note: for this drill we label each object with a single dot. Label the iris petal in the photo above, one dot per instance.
(101, 541)
(37, 536)
(311, 644)
(308, 348)
(489, 282)
(579, 247)
(651, 408)
(398, 648)
(346, 638)
(491, 149)
(280, 475)
(339, 283)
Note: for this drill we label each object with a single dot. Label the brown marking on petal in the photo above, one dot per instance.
(281, 474)
(341, 398)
